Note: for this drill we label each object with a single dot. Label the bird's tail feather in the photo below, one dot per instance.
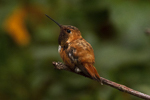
(92, 71)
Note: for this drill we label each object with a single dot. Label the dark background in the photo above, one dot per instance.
(29, 42)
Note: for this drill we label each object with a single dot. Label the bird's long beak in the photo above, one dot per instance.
(54, 21)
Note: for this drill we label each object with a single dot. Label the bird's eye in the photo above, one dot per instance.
(68, 31)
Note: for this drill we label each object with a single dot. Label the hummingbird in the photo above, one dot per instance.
(75, 51)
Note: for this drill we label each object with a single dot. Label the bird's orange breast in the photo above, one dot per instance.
(65, 57)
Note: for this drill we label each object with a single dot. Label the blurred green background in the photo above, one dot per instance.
(29, 41)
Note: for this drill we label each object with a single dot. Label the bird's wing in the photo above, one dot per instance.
(82, 51)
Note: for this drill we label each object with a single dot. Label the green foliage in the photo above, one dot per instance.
(114, 28)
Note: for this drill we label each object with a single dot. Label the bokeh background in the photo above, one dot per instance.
(29, 41)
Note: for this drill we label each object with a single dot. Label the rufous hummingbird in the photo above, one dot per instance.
(75, 51)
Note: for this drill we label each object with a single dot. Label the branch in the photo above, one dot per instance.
(123, 88)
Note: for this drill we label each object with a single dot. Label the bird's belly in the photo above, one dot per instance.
(65, 57)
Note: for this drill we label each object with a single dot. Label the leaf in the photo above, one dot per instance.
(15, 26)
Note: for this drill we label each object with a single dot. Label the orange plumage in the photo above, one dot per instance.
(79, 54)
(75, 51)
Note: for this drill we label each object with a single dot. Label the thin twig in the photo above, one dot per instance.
(123, 88)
